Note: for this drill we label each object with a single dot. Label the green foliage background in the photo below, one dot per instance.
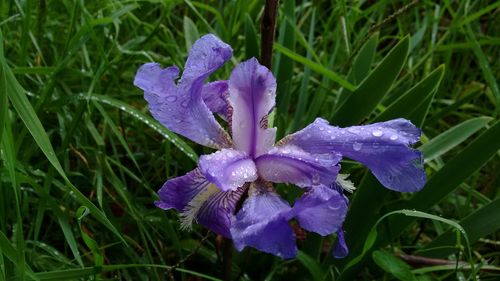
(82, 158)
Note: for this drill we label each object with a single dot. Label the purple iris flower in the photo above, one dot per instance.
(231, 191)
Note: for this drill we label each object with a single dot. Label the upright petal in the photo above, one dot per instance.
(290, 164)
(217, 212)
(178, 192)
(252, 93)
(262, 224)
(215, 96)
(383, 147)
(321, 209)
(228, 168)
(180, 107)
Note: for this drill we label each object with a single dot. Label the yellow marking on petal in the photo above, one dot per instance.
(191, 210)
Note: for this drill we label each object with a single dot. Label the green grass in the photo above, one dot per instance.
(82, 158)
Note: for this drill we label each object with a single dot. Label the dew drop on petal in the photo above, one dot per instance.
(377, 133)
(171, 98)
(357, 146)
(353, 130)
(394, 137)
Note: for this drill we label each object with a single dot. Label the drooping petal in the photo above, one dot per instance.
(290, 164)
(178, 192)
(252, 93)
(383, 147)
(180, 107)
(215, 96)
(340, 250)
(321, 209)
(262, 224)
(228, 168)
(217, 212)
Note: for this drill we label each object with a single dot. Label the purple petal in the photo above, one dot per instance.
(340, 250)
(180, 107)
(178, 192)
(252, 93)
(262, 224)
(321, 210)
(290, 164)
(383, 147)
(217, 212)
(215, 96)
(228, 168)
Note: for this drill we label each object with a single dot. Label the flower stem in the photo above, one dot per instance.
(267, 29)
(227, 258)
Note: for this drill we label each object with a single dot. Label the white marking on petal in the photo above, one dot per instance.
(346, 184)
(189, 213)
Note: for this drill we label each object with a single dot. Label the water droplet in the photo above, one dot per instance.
(171, 98)
(377, 133)
(353, 130)
(394, 137)
(321, 128)
(357, 146)
(185, 103)
(332, 137)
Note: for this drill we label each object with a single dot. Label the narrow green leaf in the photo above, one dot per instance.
(311, 265)
(316, 67)
(478, 224)
(485, 67)
(34, 70)
(393, 265)
(12, 254)
(452, 137)
(478, 14)
(251, 40)
(360, 67)
(408, 102)
(70, 274)
(304, 85)
(25, 110)
(373, 89)
(456, 170)
(362, 63)
(91, 243)
(152, 123)
(191, 33)
(373, 235)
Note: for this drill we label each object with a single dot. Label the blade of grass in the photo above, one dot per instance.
(316, 67)
(373, 89)
(27, 114)
(152, 123)
(452, 137)
(408, 102)
(480, 223)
